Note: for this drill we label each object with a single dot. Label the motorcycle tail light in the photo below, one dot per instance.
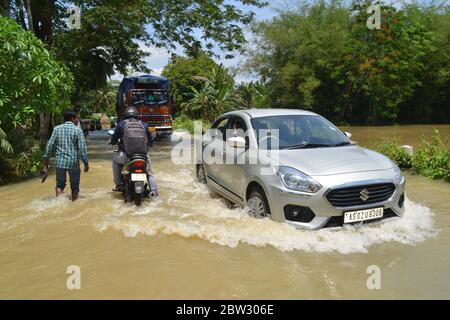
(138, 164)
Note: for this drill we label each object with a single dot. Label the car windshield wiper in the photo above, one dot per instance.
(306, 145)
(343, 143)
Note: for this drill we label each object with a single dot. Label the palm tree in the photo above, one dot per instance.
(247, 92)
(106, 97)
(263, 95)
(216, 96)
(5, 146)
(255, 94)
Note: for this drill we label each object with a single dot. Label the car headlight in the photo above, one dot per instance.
(398, 172)
(297, 180)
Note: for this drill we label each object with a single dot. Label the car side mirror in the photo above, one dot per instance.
(348, 134)
(237, 142)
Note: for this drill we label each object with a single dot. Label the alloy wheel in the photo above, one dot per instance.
(256, 205)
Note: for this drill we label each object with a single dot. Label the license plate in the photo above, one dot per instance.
(362, 215)
(139, 177)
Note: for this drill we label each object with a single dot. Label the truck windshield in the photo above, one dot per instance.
(148, 97)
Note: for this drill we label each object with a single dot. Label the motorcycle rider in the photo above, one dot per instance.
(120, 157)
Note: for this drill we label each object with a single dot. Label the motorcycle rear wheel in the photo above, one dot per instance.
(126, 194)
(138, 199)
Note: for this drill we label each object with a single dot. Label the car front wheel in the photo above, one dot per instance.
(257, 204)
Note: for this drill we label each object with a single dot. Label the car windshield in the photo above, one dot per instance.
(297, 132)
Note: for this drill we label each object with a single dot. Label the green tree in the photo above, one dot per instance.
(263, 97)
(255, 94)
(323, 57)
(297, 53)
(247, 92)
(31, 80)
(380, 67)
(216, 97)
(114, 34)
(107, 98)
(32, 83)
(431, 99)
(101, 100)
(184, 73)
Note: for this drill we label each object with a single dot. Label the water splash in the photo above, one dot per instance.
(217, 224)
(188, 209)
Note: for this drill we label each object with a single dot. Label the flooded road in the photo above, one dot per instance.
(409, 134)
(188, 245)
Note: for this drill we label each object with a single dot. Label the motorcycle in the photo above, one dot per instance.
(134, 175)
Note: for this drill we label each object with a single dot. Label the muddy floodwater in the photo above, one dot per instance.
(188, 245)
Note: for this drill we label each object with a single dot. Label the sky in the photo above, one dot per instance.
(160, 57)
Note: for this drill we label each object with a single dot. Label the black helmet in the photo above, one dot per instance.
(130, 112)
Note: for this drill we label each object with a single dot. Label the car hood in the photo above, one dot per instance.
(329, 161)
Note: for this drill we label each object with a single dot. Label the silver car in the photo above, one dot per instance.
(297, 167)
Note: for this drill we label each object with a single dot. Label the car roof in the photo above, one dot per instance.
(258, 113)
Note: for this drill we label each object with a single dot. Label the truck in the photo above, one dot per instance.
(150, 95)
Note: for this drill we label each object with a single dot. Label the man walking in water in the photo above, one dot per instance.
(70, 145)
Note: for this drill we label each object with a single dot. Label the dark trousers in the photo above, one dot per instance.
(74, 175)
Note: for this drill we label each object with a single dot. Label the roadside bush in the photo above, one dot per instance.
(186, 123)
(24, 162)
(390, 147)
(432, 159)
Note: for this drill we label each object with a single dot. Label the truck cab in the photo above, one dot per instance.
(149, 94)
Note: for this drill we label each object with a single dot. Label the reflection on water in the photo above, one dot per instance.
(188, 244)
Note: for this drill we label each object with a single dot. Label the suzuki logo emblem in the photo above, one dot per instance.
(364, 195)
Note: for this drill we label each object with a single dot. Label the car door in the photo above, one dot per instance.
(213, 147)
(235, 158)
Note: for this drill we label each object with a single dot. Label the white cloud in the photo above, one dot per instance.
(157, 71)
(156, 61)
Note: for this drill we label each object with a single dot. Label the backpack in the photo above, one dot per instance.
(134, 138)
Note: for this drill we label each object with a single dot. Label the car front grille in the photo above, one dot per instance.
(360, 195)
(338, 221)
